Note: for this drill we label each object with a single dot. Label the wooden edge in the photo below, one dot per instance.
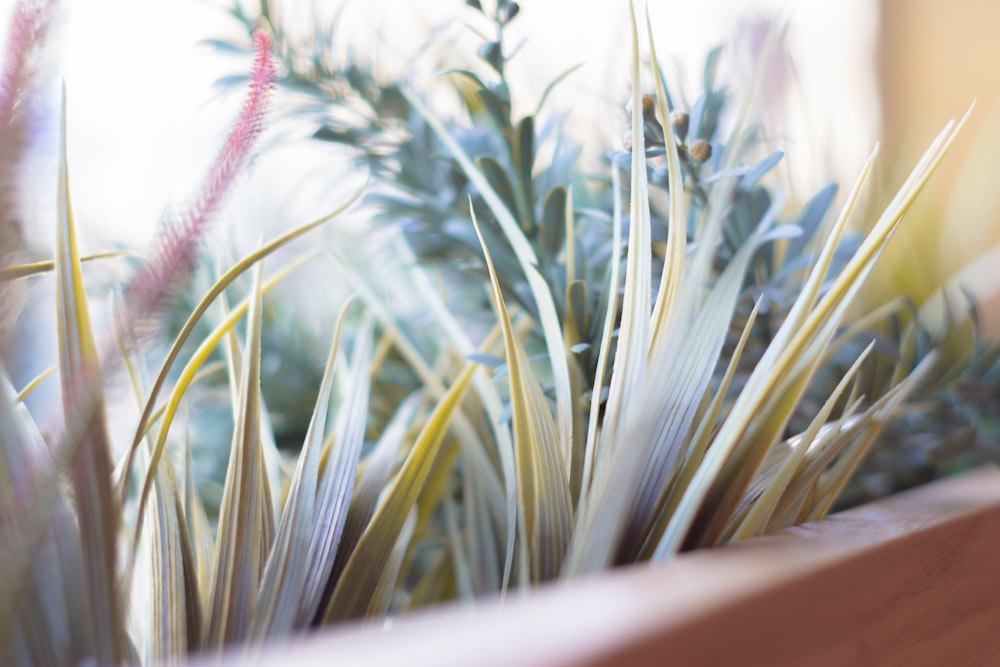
(909, 580)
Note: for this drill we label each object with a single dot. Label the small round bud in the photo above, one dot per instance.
(700, 150)
(646, 101)
(680, 120)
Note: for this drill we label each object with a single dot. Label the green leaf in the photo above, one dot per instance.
(506, 11)
(184, 380)
(281, 602)
(497, 108)
(791, 358)
(773, 485)
(699, 441)
(336, 484)
(679, 378)
(372, 477)
(668, 294)
(491, 402)
(492, 53)
(604, 352)
(213, 293)
(528, 261)
(836, 479)
(545, 509)
(553, 222)
(522, 248)
(758, 171)
(385, 589)
(629, 367)
(176, 608)
(497, 177)
(199, 529)
(524, 161)
(810, 218)
(38, 268)
(374, 551)
(86, 435)
(246, 525)
(44, 604)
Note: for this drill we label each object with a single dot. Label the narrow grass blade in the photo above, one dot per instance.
(614, 280)
(199, 529)
(629, 367)
(492, 404)
(175, 629)
(339, 473)
(90, 460)
(832, 439)
(44, 610)
(761, 506)
(243, 533)
(546, 511)
(33, 384)
(46, 266)
(679, 377)
(836, 479)
(466, 432)
(184, 380)
(797, 345)
(385, 590)
(374, 550)
(207, 300)
(273, 462)
(280, 600)
(373, 474)
(673, 265)
(698, 443)
(176, 608)
(820, 324)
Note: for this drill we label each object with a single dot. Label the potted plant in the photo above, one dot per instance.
(586, 386)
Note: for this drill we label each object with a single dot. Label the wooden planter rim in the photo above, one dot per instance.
(909, 580)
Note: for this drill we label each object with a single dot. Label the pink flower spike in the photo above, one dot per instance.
(29, 26)
(177, 247)
(239, 144)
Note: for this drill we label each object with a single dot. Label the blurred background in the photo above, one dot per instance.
(145, 119)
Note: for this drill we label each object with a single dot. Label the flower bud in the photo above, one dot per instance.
(700, 150)
(647, 106)
(680, 121)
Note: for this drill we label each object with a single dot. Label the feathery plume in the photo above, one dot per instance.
(29, 26)
(177, 246)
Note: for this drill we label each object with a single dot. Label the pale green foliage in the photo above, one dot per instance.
(502, 465)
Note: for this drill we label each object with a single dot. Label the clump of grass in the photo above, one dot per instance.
(668, 368)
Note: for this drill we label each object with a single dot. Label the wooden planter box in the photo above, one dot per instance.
(910, 580)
